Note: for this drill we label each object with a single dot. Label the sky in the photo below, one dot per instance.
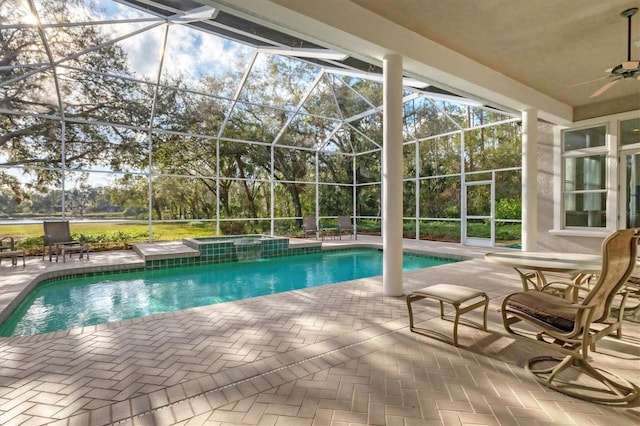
(189, 52)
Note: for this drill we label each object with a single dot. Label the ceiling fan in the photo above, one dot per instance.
(628, 69)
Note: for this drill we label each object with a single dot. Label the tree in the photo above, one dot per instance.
(130, 192)
(11, 194)
(80, 196)
(33, 136)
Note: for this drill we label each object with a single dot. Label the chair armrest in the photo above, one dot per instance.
(624, 296)
(571, 288)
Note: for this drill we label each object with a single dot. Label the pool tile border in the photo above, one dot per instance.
(222, 255)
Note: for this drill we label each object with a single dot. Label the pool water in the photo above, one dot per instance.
(78, 302)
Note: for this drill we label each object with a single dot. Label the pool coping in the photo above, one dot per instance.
(9, 301)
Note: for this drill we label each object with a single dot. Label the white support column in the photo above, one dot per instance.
(272, 191)
(354, 191)
(529, 180)
(317, 209)
(463, 187)
(392, 177)
(65, 172)
(417, 189)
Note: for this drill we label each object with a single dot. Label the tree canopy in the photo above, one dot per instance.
(92, 111)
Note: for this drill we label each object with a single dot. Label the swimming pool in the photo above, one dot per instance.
(79, 302)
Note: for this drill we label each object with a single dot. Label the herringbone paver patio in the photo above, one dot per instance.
(339, 354)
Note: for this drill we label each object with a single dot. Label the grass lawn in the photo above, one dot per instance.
(108, 236)
(120, 235)
(161, 231)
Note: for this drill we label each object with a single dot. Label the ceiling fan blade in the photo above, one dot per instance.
(630, 65)
(590, 81)
(604, 88)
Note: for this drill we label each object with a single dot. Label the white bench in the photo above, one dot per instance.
(457, 296)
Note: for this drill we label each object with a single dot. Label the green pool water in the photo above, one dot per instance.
(78, 302)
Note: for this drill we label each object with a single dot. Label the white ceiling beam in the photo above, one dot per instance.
(299, 52)
(194, 15)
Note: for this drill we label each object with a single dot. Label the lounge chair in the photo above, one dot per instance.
(572, 325)
(57, 238)
(345, 225)
(310, 226)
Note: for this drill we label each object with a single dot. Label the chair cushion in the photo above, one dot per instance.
(450, 293)
(541, 305)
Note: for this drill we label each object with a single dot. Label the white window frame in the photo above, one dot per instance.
(590, 152)
(613, 155)
(623, 152)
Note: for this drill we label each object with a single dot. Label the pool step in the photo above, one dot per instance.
(164, 250)
(302, 243)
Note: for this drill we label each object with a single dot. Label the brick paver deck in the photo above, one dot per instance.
(339, 354)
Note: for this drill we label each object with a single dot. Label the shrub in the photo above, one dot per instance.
(508, 232)
(233, 228)
(369, 226)
(509, 208)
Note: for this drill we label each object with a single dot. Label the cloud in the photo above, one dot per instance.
(143, 51)
(190, 53)
(194, 53)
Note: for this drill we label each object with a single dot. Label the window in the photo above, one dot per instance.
(584, 186)
(630, 172)
(630, 132)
